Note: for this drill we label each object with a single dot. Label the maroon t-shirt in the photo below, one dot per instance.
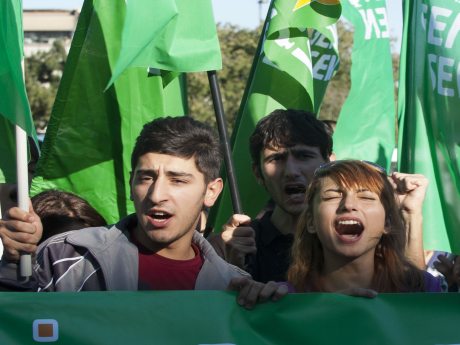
(159, 273)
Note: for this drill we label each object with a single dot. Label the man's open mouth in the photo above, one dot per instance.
(159, 216)
(293, 189)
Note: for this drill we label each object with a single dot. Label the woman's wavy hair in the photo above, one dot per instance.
(393, 272)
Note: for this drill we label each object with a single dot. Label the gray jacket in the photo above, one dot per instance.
(104, 259)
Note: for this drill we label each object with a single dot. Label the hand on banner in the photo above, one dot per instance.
(239, 239)
(410, 190)
(252, 292)
(456, 271)
(20, 233)
(450, 269)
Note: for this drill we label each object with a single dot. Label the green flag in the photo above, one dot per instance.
(429, 121)
(173, 35)
(14, 105)
(366, 125)
(91, 133)
(174, 318)
(7, 151)
(285, 74)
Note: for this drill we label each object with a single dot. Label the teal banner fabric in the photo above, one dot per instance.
(213, 317)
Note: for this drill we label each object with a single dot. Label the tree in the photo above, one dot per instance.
(43, 72)
(238, 49)
(238, 45)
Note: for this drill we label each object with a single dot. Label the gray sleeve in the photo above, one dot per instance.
(10, 279)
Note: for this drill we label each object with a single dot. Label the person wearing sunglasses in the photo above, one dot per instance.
(352, 235)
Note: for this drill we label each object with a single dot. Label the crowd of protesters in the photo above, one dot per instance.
(331, 226)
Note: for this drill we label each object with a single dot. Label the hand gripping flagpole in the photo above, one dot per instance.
(222, 128)
(22, 179)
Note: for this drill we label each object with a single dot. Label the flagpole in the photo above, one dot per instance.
(25, 261)
(222, 128)
(22, 179)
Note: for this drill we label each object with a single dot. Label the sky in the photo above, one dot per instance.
(244, 13)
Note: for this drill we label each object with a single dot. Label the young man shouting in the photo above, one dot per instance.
(175, 173)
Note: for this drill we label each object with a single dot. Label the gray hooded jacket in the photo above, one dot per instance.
(100, 258)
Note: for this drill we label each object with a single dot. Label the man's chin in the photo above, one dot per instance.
(160, 237)
(294, 209)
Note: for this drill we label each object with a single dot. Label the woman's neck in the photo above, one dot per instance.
(339, 275)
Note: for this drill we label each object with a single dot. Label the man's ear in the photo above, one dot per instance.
(131, 186)
(213, 190)
(258, 176)
(332, 157)
(311, 228)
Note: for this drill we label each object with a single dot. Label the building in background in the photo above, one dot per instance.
(42, 27)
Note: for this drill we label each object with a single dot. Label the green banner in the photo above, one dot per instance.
(91, 133)
(324, 45)
(366, 125)
(429, 118)
(290, 70)
(173, 35)
(14, 105)
(177, 317)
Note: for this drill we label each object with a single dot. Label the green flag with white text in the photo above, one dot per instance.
(429, 117)
(91, 133)
(366, 125)
(289, 71)
(14, 105)
(173, 35)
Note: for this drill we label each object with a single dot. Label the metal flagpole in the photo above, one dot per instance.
(222, 128)
(25, 261)
(22, 179)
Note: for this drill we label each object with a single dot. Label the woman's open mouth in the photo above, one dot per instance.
(349, 230)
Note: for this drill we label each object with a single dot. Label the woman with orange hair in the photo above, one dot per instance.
(352, 236)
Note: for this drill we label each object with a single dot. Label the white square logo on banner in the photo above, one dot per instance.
(45, 330)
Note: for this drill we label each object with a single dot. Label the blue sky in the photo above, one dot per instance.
(244, 13)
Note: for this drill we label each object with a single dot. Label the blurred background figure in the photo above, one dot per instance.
(62, 211)
(446, 265)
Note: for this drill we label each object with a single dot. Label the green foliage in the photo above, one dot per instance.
(238, 45)
(238, 49)
(43, 71)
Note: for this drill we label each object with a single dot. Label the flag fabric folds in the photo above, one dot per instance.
(91, 133)
(7, 151)
(366, 125)
(429, 121)
(282, 76)
(14, 105)
(173, 35)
